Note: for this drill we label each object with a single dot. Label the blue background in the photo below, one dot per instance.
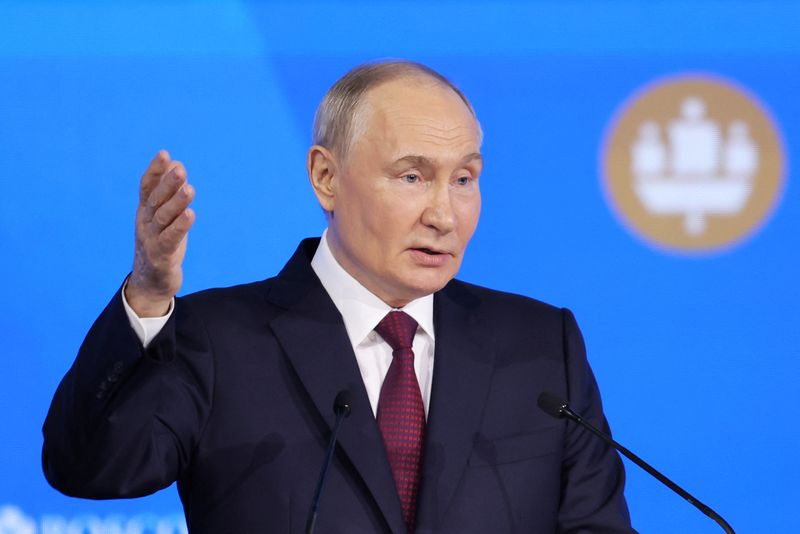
(697, 356)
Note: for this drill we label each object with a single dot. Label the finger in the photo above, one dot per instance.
(169, 183)
(157, 167)
(172, 207)
(172, 236)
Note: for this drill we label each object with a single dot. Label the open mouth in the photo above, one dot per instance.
(429, 257)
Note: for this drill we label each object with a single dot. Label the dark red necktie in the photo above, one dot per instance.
(401, 414)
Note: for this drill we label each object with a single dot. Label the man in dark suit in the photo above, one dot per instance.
(230, 391)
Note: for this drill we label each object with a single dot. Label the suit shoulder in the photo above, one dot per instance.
(238, 291)
(489, 300)
(229, 301)
(515, 324)
(506, 312)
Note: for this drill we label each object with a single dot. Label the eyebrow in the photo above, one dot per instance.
(422, 161)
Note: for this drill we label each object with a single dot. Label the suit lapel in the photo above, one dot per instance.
(463, 364)
(312, 333)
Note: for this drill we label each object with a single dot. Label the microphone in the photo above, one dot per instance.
(558, 408)
(342, 406)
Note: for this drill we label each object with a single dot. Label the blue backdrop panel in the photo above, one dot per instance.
(697, 355)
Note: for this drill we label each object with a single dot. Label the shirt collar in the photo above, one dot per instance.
(361, 309)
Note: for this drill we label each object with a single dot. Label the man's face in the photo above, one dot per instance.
(406, 199)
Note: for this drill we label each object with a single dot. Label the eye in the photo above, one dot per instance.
(463, 180)
(411, 178)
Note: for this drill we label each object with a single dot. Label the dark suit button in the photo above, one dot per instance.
(118, 366)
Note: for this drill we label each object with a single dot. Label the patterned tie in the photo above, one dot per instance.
(401, 414)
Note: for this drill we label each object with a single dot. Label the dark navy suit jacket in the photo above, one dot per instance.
(233, 399)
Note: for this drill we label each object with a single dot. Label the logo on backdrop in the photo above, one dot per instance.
(693, 164)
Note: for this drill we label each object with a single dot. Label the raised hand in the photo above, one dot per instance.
(163, 220)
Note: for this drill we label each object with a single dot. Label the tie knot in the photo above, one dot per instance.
(397, 329)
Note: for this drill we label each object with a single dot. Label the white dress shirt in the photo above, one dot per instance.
(361, 312)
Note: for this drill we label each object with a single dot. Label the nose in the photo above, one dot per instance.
(439, 213)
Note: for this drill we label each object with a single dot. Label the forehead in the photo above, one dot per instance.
(415, 112)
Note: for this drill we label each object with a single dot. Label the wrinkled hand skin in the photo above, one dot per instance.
(163, 220)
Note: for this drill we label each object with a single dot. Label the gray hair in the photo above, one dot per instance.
(335, 123)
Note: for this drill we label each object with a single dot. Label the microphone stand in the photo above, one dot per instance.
(558, 408)
(341, 407)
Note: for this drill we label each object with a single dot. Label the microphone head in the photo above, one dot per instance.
(552, 405)
(343, 403)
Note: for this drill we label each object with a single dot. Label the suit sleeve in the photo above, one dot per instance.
(124, 420)
(592, 497)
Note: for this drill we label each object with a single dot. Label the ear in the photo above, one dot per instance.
(322, 170)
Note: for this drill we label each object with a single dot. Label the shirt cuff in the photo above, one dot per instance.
(146, 328)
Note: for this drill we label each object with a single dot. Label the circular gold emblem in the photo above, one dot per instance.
(693, 164)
